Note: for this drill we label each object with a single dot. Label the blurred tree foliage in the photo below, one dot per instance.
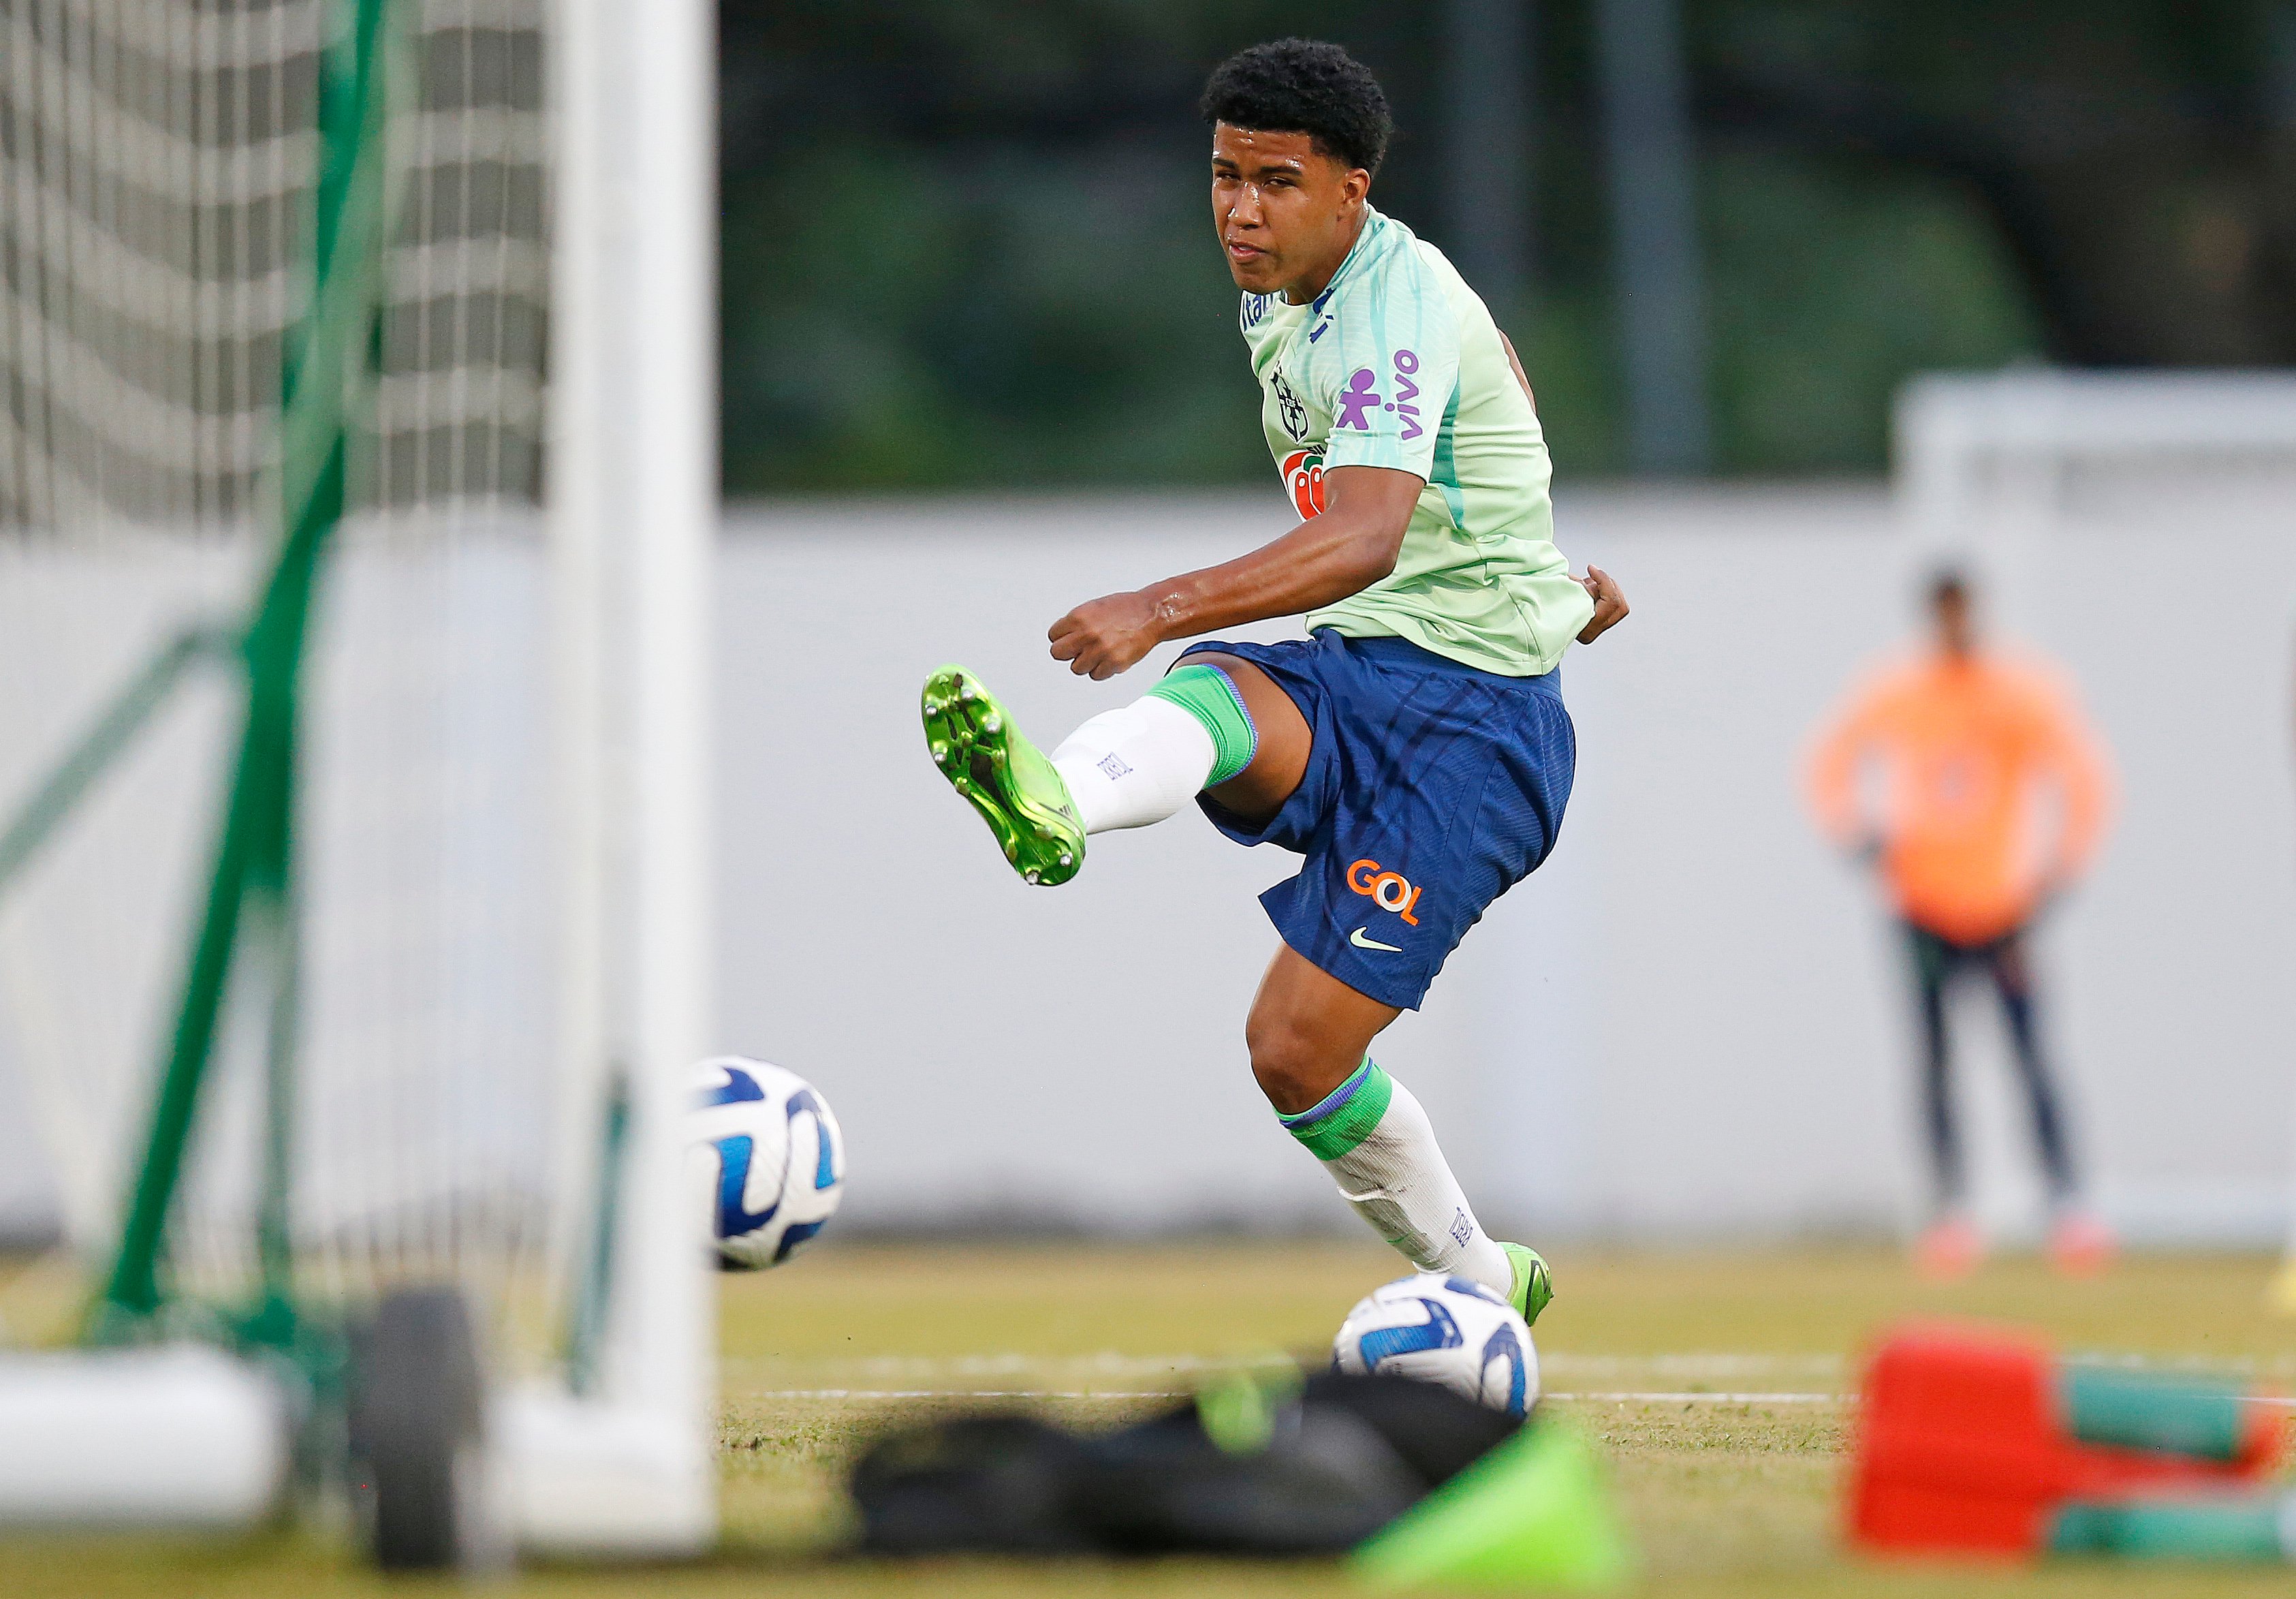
(968, 243)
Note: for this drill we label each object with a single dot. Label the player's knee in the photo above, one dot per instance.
(1288, 1060)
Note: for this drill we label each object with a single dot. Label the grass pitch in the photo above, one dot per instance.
(1712, 1382)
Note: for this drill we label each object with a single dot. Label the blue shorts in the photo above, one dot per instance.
(1432, 788)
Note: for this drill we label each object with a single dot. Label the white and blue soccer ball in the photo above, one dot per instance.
(1446, 1329)
(767, 1153)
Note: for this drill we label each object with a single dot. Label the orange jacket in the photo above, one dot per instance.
(1968, 751)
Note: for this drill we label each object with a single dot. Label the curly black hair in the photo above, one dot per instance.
(1303, 86)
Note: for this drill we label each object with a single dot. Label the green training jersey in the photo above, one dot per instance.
(1398, 364)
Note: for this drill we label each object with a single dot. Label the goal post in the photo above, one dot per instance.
(397, 315)
(625, 1465)
(2005, 458)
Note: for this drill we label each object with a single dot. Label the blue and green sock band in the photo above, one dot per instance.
(1344, 1117)
(1210, 695)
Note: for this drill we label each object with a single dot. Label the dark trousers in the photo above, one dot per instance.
(1937, 961)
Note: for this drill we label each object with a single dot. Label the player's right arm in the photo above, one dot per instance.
(1351, 544)
(1833, 773)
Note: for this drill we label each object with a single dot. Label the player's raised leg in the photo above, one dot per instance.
(1002, 776)
(1126, 768)
(1309, 1034)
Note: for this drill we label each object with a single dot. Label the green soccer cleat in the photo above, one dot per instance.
(1534, 1284)
(1003, 777)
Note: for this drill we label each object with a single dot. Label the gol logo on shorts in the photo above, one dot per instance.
(1386, 889)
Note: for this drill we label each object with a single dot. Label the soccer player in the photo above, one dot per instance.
(1414, 748)
(1968, 742)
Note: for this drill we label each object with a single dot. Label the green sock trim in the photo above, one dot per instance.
(1346, 1115)
(1206, 694)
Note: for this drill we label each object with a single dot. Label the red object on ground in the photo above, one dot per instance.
(2080, 1245)
(1948, 1249)
(1961, 1447)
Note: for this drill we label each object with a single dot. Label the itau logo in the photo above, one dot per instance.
(1361, 397)
(1303, 480)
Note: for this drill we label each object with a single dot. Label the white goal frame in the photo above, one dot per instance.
(618, 1462)
(630, 1468)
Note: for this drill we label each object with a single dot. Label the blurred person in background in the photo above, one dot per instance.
(1976, 753)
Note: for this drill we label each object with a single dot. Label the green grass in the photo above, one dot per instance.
(1731, 1499)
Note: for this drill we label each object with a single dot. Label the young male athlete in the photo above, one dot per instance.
(1414, 748)
(1967, 740)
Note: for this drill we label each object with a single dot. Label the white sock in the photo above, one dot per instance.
(1129, 768)
(1394, 1174)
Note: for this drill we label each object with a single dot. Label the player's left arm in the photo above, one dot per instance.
(1351, 545)
(1602, 587)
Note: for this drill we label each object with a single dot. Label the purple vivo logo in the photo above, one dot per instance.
(1358, 400)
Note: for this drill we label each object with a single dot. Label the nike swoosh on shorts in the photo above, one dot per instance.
(1357, 939)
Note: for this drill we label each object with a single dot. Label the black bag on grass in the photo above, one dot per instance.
(984, 1484)
(1312, 1471)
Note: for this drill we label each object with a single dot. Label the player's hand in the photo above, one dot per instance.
(1105, 636)
(1610, 604)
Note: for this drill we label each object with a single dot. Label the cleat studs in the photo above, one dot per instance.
(940, 752)
(992, 724)
(1067, 859)
(1030, 874)
(966, 692)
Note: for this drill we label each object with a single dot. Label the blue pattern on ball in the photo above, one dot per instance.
(1437, 1331)
(1503, 1344)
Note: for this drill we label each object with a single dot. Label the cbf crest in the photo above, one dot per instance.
(1288, 409)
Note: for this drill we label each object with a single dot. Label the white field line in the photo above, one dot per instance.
(1687, 1396)
(964, 1393)
(1050, 1393)
(1695, 1366)
(1703, 1398)
(1633, 1380)
(923, 1370)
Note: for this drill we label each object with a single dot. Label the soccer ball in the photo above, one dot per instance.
(1446, 1329)
(766, 1156)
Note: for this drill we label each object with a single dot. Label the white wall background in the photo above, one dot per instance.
(1690, 1024)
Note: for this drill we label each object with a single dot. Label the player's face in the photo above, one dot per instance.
(1287, 214)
